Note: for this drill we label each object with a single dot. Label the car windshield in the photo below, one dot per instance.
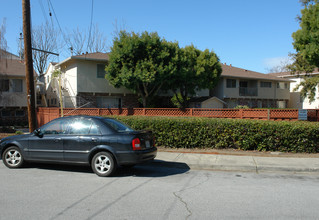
(116, 125)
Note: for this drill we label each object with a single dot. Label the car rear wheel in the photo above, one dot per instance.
(12, 157)
(103, 164)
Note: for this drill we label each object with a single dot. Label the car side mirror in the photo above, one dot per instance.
(38, 132)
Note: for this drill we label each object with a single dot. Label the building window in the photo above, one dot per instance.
(101, 71)
(282, 85)
(4, 85)
(231, 83)
(6, 113)
(20, 113)
(265, 84)
(17, 85)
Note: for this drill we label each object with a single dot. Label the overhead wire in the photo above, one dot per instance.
(89, 40)
(43, 11)
(50, 14)
(56, 18)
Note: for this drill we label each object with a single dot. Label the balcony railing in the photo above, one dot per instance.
(248, 91)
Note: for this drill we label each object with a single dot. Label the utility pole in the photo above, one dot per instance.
(28, 64)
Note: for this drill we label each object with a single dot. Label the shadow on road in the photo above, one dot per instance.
(156, 168)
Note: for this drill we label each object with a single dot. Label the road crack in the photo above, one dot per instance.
(185, 204)
(179, 197)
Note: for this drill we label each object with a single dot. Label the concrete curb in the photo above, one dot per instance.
(239, 163)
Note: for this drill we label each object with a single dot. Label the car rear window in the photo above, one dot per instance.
(116, 125)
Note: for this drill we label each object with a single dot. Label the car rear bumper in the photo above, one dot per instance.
(135, 157)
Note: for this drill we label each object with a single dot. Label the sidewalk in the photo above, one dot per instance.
(240, 162)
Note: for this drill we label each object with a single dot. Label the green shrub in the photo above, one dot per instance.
(18, 132)
(230, 133)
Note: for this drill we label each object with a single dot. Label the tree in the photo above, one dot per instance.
(46, 38)
(196, 70)
(3, 41)
(81, 41)
(282, 67)
(306, 44)
(141, 63)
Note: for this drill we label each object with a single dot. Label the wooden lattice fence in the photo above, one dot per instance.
(45, 115)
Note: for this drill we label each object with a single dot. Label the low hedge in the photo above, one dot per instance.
(299, 137)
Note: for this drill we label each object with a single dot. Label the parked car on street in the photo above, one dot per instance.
(102, 143)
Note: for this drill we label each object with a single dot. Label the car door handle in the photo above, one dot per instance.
(57, 139)
(94, 139)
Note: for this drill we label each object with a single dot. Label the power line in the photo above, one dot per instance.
(50, 14)
(56, 18)
(43, 12)
(89, 41)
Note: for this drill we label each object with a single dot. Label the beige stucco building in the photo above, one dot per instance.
(238, 86)
(13, 93)
(83, 84)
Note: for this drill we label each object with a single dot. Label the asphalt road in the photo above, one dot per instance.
(155, 191)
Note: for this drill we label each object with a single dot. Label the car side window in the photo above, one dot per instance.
(55, 127)
(94, 129)
(80, 126)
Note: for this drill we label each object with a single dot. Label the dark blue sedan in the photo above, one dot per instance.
(102, 143)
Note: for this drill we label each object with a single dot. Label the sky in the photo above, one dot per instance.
(249, 34)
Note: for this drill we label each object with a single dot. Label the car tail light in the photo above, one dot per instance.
(136, 144)
(153, 141)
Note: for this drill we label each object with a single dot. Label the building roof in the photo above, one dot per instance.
(12, 67)
(228, 70)
(290, 75)
(281, 74)
(235, 72)
(7, 55)
(98, 56)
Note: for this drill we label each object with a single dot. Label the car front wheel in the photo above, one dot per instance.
(12, 157)
(103, 164)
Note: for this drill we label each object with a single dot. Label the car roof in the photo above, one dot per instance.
(84, 116)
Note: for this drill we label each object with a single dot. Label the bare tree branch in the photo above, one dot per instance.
(78, 41)
(3, 41)
(98, 41)
(44, 37)
(282, 67)
(118, 27)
